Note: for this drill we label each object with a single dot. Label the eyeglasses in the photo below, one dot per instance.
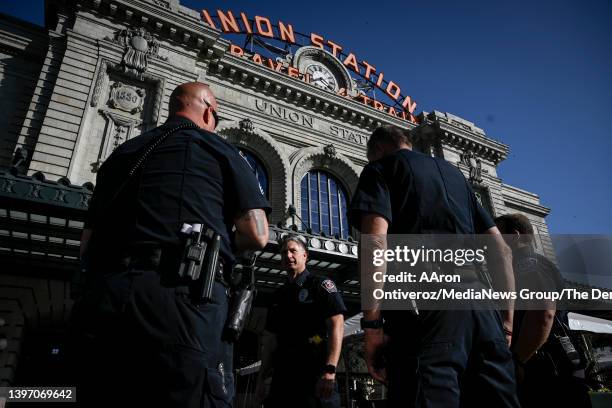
(214, 112)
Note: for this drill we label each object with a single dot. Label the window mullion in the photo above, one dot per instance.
(329, 206)
(338, 192)
(319, 201)
(309, 198)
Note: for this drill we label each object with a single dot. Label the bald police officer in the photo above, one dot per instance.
(146, 336)
(303, 336)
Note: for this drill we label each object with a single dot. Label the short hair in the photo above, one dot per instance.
(298, 239)
(390, 134)
(509, 223)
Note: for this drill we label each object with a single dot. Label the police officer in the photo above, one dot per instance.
(145, 337)
(547, 373)
(435, 358)
(303, 336)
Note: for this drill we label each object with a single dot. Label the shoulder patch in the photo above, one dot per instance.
(329, 285)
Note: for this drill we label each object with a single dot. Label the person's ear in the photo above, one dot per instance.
(207, 116)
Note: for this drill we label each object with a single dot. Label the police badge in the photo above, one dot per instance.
(303, 295)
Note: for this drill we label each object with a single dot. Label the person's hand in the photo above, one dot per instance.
(375, 342)
(261, 391)
(325, 385)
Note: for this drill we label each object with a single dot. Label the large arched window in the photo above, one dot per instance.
(258, 169)
(323, 202)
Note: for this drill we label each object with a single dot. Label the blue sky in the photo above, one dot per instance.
(536, 75)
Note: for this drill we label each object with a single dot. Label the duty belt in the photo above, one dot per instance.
(148, 258)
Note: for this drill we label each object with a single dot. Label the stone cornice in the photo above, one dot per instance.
(182, 28)
(189, 52)
(252, 75)
(517, 202)
(535, 209)
(111, 50)
(15, 22)
(188, 31)
(31, 43)
(456, 132)
(516, 190)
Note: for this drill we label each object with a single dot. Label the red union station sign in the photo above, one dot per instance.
(401, 106)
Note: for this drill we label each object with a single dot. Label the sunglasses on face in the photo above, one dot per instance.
(214, 112)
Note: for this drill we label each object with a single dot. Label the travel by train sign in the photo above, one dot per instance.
(317, 60)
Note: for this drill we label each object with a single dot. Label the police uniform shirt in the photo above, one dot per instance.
(194, 176)
(417, 193)
(298, 318)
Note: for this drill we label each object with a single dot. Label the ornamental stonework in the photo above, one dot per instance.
(139, 46)
(126, 98)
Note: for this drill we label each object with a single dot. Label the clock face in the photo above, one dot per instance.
(322, 77)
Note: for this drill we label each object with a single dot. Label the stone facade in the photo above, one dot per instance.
(107, 70)
(101, 72)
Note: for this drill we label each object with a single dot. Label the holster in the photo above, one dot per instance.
(241, 301)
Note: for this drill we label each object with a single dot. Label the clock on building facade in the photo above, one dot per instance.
(325, 70)
(322, 77)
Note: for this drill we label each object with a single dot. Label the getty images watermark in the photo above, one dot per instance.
(443, 272)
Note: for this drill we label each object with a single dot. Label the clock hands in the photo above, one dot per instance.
(319, 75)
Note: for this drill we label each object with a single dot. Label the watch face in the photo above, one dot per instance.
(322, 77)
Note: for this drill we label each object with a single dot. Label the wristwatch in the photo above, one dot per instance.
(371, 324)
(329, 369)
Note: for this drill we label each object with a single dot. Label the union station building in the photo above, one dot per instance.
(100, 72)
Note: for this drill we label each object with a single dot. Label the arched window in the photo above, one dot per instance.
(323, 202)
(258, 169)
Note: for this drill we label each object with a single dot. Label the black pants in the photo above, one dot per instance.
(137, 343)
(542, 386)
(450, 359)
(295, 388)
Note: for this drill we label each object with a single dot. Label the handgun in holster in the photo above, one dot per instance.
(241, 301)
(200, 261)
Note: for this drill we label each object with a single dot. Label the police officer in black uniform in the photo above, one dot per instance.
(144, 335)
(303, 336)
(435, 358)
(549, 366)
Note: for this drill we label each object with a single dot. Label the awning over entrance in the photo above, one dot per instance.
(41, 223)
(589, 323)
